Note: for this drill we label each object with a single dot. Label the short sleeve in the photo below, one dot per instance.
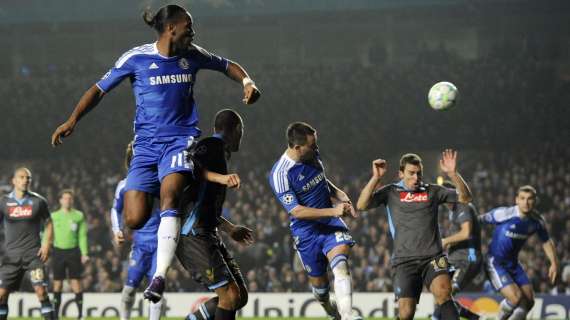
(445, 195)
(44, 210)
(281, 187)
(465, 214)
(379, 197)
(123, 69)
(541, 231)
(210, 61)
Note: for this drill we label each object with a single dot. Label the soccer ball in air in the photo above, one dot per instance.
(442, 95)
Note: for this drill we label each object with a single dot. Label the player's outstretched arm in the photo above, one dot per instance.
(238, 233)
(550, 250)
(448, 164)
(88, 101)
(250, 91)
(379, 167)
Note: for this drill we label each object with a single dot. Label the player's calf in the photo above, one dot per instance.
(127, 302)
(406, 308)
(342, 285)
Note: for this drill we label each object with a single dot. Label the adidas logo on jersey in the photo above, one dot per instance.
(153, 66)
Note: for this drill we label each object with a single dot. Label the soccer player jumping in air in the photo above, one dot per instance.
(321, 237)
(162, 75)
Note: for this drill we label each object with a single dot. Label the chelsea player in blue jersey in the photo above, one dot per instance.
(142, 260)
(513, 225)
(320, 236)
(162, 75)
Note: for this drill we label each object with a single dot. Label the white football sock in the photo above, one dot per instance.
(168, 233)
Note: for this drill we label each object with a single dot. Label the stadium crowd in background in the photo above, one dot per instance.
(504, 158)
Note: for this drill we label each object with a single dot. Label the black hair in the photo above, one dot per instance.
(297, 133)
(163, 16)
(66, 191)
(227, 120)
(410, 158)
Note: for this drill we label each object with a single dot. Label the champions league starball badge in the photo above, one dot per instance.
(183, 63)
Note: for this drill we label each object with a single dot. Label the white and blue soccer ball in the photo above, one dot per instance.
(443, 95)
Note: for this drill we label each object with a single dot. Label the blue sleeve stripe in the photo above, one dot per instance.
(391, 223)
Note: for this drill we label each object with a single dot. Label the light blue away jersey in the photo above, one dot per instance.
(296, 183)
(148, 231)
(163, 88)
(512, 230)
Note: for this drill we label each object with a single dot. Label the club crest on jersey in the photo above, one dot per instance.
(183, 63)
(287, 199)
(20, 212)
(406, 196)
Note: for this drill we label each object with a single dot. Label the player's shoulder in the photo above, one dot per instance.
(37, 197)
(279, 177)
(197, 51)
(537, 217)
(504, 213)
(141, 50)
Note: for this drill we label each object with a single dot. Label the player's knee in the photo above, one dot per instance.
(229, 297)
(133, 221)
(442, 292)
(515, 298)
(406, 312)
(3, 296)
(243, 297)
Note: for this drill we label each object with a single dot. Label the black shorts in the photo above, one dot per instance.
(464, 271)
(12, 272)
(66, 264)
(409, 276)
(208, 260)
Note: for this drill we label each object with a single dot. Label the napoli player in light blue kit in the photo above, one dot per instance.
(142, 260)
(513, 226)
(162, 75)
(321, 237)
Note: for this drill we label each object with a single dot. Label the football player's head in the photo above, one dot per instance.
(526, 199)
(229, 125)
(302, 138)
(411, 169)
(174, 23)
(22, 179)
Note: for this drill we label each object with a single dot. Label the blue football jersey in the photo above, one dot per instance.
(148, 231)
(296, 183)
(512, 230)
(163, 88)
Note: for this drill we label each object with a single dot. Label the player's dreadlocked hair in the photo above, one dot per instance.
(297, 133)
(128, 155)
(411, 158)
(164, 15)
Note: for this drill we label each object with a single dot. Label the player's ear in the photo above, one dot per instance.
(400, 174)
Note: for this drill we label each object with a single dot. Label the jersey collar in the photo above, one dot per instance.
(12, 195)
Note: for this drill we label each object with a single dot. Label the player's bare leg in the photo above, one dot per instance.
(138, 207)
(321, 291)
(513, 296)
(168, 232)
(406, 308)
(526, 303)
(4, 294)
(440, 287)
(338, 260)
